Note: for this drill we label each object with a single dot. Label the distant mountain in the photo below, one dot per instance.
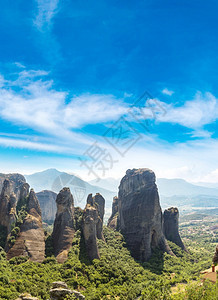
(207, 184)
(55, 180)
(180, 187)
(184, 195)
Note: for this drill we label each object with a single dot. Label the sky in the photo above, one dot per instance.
(97, 87)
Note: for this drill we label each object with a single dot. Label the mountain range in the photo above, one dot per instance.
(173, 192)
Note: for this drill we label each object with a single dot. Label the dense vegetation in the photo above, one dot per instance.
(116, 274)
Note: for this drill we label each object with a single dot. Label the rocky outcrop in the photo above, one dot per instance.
(90, 220)
(30, 239)
(215, 258)
(12, 190)
(63, 231)
(112, 221)
(99, 203)
(140, 215)
(48, 205)
(26, 296)
(7, 205)
(171, 226)
(92, 224)
(16, 180)
(60, 291)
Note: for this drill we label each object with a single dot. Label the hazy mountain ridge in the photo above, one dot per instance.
(55, 180)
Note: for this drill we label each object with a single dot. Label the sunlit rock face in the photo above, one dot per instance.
(30, 240)
(140, 215)
(13, 189)
(92, 224)
(63, 231)
(171, 226)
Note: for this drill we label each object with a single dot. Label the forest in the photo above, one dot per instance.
(117, 275)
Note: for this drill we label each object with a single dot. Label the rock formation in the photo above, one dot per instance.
(171, 226)
(215, 258)
(63, 231)
(93, 224)
(16, 180)
(99, 203)
(12, 190)
(7, 205)
(26, 296)
(140, 215)
(30, 239)
(48, 205)
(60, 291)
(112, 221)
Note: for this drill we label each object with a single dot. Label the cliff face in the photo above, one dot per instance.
(171, 226)
(13, 189)
(30, 240)
(93, 224)
(16, 180)
(47, 201)
(140, 215)
(99, 203)
(63, 231)
(112, 221)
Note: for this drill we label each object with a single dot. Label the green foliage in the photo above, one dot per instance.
(78, 214)
(49, 249)
(115, 276)
(17, 260)
(21, 215)
(3, 235)
(21, 205)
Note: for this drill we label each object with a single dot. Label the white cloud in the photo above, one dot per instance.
(194, 114)
(24, 144)
(167, 92)
(32, 102)
(211, 177)
(46, 12)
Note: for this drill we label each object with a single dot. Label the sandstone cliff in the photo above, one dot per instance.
(171, 226)
(93, 224)
(112, 221)
(140, 215)
(30, 239)
(63, 231)
(48, 205)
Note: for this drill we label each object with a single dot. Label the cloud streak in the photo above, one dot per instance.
(47, 9)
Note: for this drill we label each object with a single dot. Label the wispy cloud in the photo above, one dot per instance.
(31, 101)
(46, 10)
(43, 21)
(193, 114)
(167, 92)
(24, 144)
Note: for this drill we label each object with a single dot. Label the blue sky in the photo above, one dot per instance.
(69, 70)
